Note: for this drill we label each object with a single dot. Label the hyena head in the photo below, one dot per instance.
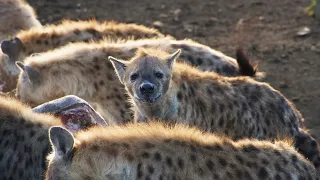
(62, 142)
(147, 75)
(34, 86)
(12, 51)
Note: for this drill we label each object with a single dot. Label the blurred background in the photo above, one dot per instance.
(277, 34)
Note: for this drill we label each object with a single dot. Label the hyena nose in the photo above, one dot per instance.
(146, 88)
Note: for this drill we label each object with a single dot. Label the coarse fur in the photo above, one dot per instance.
(24, 142)
(238, 107)
(42, 39)
(154, 151)
(16, 15)
(83, 70)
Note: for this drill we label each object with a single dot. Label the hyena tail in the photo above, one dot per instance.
(245, 65)
(309, 147)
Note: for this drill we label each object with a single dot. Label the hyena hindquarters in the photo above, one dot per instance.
(83, 70)
(238, 107)
(42, 39)
(16, 15)
(24, 142)
(153, 151)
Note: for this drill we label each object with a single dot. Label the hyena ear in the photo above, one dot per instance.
(33, 75)
(119, 66)
(173, 57)
(61, 140)
(12, 48)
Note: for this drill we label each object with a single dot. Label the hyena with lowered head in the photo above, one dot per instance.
(155, 151)
(41, 39)
(83, 70)
(238, 107)
(16, 15)
(24, 142)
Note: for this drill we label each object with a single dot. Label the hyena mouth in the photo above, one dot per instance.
(150, 100)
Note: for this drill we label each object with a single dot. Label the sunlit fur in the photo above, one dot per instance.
(49, 37)
(83, 69)
(24, 142)
(155, 151)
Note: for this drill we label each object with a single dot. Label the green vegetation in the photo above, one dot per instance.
(310, 10)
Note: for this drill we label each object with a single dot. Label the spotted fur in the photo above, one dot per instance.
(154, 151)
(42, 39)
(83, 69)
(238, 107)
(24, 142)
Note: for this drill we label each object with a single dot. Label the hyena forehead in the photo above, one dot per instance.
(153, 58)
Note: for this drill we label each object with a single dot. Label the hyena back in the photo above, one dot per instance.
(154, 151)
(42, 39)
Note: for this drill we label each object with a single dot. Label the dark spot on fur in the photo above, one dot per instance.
(264, 162)
(193, 158)
(42, 138)
(157, 156)
(145, 155)
(180, 163)
(199, 61)
(129, 156)
(179, 95)
(150, 169)
(222, 161)
(139, 170)
(148, 145)
(240, 159)
(94, 148)
(95, 84)
(97, 67)
(294, 158)
(101, 82)
(32, 133)
(210, 164)
(110, 77)
(221, 108)
(169, 161)
(263, 173)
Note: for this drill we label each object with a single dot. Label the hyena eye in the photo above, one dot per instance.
(133, 76)
(159, 75)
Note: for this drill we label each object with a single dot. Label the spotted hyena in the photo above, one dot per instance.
(24, 142)
(42, 39)
(16, 15)
(153, 151)
(83, 70)
(238, 107)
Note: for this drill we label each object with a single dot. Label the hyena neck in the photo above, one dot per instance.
(166, 108)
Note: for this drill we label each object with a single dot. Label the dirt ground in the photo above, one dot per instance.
(266, 29)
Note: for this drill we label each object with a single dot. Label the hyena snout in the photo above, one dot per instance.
(146, 88)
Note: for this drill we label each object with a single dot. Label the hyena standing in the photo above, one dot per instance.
(83, 70)
(41, 39)
(24, 142)
(154, 151)
(16, 15)
(238, 107)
